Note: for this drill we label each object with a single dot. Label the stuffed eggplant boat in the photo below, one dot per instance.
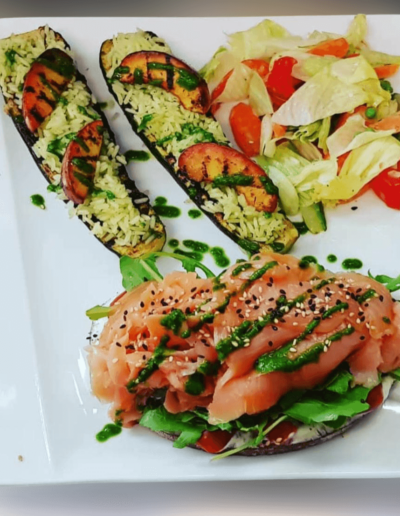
(167, 104)
(274, 355)
(71, 142)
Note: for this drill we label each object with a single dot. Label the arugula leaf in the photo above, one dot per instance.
(135, 271)
(312, 410)
(188, 436)
(340, 382)
(392, 284)
(98, 312)
(395, 374)
(188, 263)
(159, 420)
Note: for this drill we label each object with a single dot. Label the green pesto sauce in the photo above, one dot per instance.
(160, 201)
(38, 201)
(220, 257)
(109, 430)
(309, 259)
(159, 355)
(233, 180)
(173, 321)
(187, 80)
(194, 214)
(204, 319)
(249, 329)
(250, 247)
(186, 334)
(352, 263)
(209, 368)
(169, 212)
(301, 227)
(199, 247)
(259, 273)
(240, 268)
(195, 384)
(136, 155)
(362, 298)
(279, 360)
(192, 193)
(83, 165)
(331, 258)
(173, 243)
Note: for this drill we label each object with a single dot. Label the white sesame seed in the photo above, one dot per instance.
(358, 321)
(292, 350)
(114, 360)
(235, 344)
(295, 324)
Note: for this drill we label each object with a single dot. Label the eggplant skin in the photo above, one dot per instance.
(189, 186)
(144, 208)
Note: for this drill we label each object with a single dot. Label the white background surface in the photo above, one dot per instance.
(313, 497)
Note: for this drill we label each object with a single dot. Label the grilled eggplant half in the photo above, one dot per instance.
(72, 143)
(170, 123)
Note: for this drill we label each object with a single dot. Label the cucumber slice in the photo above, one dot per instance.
(314, 217)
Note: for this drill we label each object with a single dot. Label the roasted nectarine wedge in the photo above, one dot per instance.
(168, 72)
(224, 166)
(45, 81)
(79, 163)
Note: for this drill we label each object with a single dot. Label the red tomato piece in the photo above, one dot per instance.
(280, 83)
(214, 442)
(281, 433)
(375, 397)
(246, 128)
(387, 187)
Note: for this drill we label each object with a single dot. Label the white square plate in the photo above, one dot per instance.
(52, 269)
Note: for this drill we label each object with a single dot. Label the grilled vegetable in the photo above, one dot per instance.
(47, 78)
(168, 129)
(79, 163)
(168, 72)
(225, 166)
(109, 204)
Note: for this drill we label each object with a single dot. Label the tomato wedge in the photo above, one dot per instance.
(214, 442)
(335, 47)
(280, 83)
(282, 433)
(246, 128)
(385, 71)
(387, 187)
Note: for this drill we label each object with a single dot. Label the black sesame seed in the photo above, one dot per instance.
(275, 328)
(126, 312)
(283, 291)
(118, 344)
(381, 298)
(362, 337)
(269, 284)
(145, 347)
(271, 299)
(193, 289)
(270, 343)
(122, 326)
(354, 208)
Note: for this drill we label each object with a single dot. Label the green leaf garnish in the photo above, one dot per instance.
(392, 284)
(98, 312)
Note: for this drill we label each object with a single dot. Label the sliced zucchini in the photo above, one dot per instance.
(57, 117)
(168, 130)
(314, 217)
(171, 74)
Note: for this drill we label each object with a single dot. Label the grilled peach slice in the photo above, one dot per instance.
(168, 72)
(47, 78)
(210, 162)
(79, 163)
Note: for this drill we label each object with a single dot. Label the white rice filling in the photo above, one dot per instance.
(112, 216)
(242, 219)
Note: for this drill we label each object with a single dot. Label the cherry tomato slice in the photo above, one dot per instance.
(375, 397)
(281, 433)
(214, 442)
(246, 128)
(280, 82)
(387, 187)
